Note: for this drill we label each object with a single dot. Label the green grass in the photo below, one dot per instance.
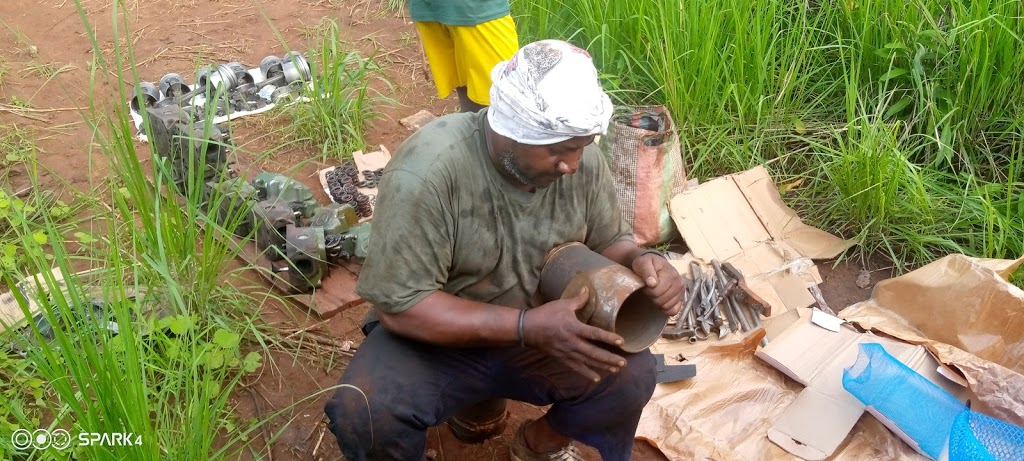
(907, 116)
(15, 145)
(187, 336)
(341, 100)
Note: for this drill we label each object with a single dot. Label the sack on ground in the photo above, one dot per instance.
(642, 146)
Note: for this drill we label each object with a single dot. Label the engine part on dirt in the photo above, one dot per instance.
(281, 188)
(221, 79)
(287, 93)
(363, 206)
(615, 300)
(245, 98)
(270, 66)
(296, 70)
(359, 237)
(231, 203)
(144, 95)
(196, 152)
(242, 75)
(340, 247)
(173, 85)
(335, 218)
(306, 257)
(272, 219)
(284, 73)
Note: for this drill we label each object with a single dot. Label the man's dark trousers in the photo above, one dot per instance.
(406, 387)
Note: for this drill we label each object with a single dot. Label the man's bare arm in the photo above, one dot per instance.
(623, 252)
(448, 320)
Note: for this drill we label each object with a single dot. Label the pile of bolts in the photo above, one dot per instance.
(714, 302)
(343, 183)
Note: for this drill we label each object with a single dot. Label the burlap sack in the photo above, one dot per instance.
(642, 146)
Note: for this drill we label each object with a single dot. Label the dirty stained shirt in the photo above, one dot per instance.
(445, 219)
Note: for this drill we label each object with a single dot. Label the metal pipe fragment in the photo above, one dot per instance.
(616, 302)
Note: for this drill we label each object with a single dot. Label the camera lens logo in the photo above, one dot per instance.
(21, 439)
(41, 438)
(60, 439)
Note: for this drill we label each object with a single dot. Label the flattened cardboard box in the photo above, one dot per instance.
(824, 413)
(741, 218)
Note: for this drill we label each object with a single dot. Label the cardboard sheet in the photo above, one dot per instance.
(968, 315)
(726, 411)
(823, 414)
(741, 218)
(11, 314)
(737, 402)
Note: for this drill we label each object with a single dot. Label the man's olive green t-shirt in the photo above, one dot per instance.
(458, 12)
(445, 219)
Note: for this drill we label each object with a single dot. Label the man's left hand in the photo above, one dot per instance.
(664, 285)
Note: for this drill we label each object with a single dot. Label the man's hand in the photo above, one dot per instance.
(553, 328)
(664, 285)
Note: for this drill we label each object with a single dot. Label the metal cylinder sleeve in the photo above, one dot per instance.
(271, 66)
(296, 69)
(616, 302)
(242, 75)
(173, 85)
(221, 78)
(144, 95)
(203, 75)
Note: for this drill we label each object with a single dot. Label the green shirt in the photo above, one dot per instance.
(447, 220)
(458, 12)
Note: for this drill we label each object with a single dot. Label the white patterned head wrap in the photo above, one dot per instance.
(547, 93)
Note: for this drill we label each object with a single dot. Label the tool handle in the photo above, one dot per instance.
(732, 271)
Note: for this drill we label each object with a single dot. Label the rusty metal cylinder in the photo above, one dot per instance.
(616, 302)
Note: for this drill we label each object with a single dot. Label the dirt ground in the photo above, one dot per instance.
(46, 87)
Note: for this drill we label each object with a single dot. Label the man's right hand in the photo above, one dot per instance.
(553, 328)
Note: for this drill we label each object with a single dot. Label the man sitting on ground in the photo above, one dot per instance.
(467, 211)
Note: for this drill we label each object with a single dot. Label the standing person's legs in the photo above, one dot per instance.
(477, 50)
(439, 47)
(461, 57)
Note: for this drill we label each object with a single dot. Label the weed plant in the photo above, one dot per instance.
(341, 100)
(907, 116)
(153, 340)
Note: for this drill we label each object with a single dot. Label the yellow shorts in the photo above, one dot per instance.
(465, 55)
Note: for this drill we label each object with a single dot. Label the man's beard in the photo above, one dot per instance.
(508, 162)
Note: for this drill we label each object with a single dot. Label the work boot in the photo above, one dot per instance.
(518, 450)
(479, 422)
